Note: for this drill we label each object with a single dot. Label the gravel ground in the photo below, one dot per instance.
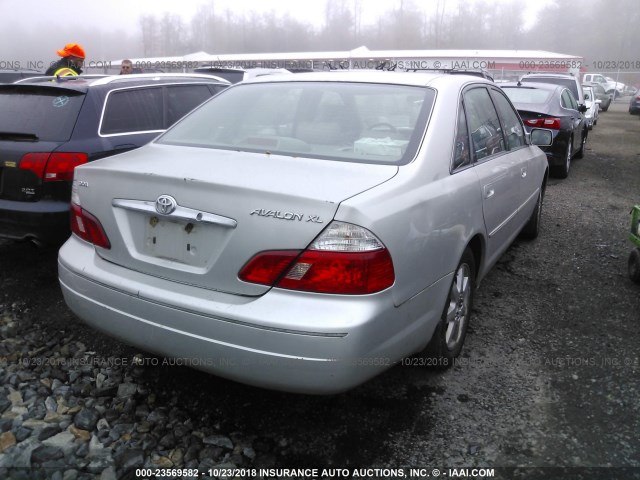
(549, 376)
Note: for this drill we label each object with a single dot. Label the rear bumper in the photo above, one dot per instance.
(283, 340)
(46, 221)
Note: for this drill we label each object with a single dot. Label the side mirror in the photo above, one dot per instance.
(541, 137)
(582, 108)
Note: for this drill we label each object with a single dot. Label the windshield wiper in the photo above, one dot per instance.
(19, 136)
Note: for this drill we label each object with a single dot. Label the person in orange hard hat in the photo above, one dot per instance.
(71, 62)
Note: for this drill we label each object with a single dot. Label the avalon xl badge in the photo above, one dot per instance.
(166, 204)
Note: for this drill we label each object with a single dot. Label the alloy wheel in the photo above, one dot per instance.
(459, 305)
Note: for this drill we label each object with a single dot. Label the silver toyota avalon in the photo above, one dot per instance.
(306, 232)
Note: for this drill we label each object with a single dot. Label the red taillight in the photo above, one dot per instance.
(345, 259)
(266, 267)
(55, 166)
(88, 227)
(61, 165)
(549, 122)
(349, 273)
(36, 162)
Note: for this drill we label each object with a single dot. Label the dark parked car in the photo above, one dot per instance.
(554, 107)
(634, 104)
(48, 128)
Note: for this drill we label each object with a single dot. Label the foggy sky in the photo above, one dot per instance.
(603, 32)
(110, 29)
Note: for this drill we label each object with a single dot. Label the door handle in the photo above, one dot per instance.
(489, 193)
(523, 173)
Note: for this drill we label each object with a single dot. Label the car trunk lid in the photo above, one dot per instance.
(228, 206)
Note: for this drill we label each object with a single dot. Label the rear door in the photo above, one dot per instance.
(576, 118)
(497, 169)
(523, 155)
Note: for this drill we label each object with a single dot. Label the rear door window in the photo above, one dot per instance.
(513, 130)
(486, 133)
(568, 101)
(181, 99)
(133, 110)
(46, 113)
(461, 150)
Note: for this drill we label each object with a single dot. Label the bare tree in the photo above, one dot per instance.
(150, 35)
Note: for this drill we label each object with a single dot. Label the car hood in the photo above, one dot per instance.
(230, 206)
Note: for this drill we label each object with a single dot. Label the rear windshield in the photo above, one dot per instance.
(565, 82)
(47, 113)
(527, 95)
(353, 122)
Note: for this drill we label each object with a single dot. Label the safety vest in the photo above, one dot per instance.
(65, 72)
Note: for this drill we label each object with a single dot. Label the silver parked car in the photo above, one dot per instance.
(307, 232)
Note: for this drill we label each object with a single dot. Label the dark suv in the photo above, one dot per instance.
(47, 128)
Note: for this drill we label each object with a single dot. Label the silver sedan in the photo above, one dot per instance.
(305, 233)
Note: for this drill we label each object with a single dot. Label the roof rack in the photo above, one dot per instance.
(141, 76)
(454, 71)
(58, 78)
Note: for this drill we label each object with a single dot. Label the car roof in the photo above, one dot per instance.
(434, 79)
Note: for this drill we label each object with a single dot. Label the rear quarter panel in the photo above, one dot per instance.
(424, 215)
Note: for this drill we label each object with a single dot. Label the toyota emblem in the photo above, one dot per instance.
(166, 204)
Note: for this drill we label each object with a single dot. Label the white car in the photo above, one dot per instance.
(306, 232)
(593, 106)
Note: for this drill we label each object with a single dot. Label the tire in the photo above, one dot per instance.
(448, 338)
(580, 153)
(634, 265)
(562, 171)
(532, 228)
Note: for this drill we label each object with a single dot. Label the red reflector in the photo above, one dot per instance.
(88, 227)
